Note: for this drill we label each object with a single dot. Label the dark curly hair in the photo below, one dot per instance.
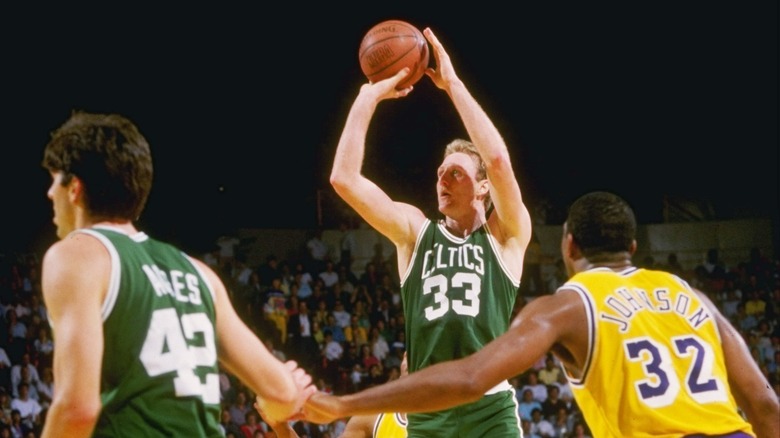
(601, 224)
(110, 156)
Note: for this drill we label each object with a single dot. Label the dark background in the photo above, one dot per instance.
(243, 106)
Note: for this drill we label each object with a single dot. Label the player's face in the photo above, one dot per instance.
(457, 185)
(64, 216)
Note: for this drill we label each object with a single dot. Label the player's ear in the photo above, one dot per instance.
(632, 248)
(570, 248)
(484, 187)
(75, 189)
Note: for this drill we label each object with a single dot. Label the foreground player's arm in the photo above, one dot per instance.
(514, 221)
(75, 274)
(751, 390)
(540, 325)
(282, 388)
(397, 221)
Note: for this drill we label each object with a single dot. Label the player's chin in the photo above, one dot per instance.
(444, 205)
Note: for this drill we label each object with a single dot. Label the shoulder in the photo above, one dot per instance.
(78, 254)
(79, 243)
(360, 426)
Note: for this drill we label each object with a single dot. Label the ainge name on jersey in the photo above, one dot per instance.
(626, 304)
(184, 286)
(467, 255)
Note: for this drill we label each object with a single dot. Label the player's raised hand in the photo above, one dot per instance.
(443, 74)
(385, 89)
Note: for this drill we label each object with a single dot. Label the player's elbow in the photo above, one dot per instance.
(343, 185)
(76, 415)
(470, 387)
(339, 181)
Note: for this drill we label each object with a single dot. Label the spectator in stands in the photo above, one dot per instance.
(19, 428)
(28, 408)
(45, 388)
(347, 244)
(334, 328)
(43, 347)
(269, 270)
(755, 305)
(228, 246)
(553, 403)
(347, 279)
(562, 423)
(370, 278)
(355, 333)
(540, 427)
(228, 426)
(538, 389)
(332, 352)
(240, 272)
(329, 276)
(302, 346)
(240, 407)
(674, 266)
(318, 252)
(304, 280)
(549, 374)
(730, 303)
(343, 318)
(744, 321)
(564, 391)
(379, 346)
(527, 404)
(275, 309)
(16, 372)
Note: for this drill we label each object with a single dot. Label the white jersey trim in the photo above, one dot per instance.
(494, 245)
(420, 233)
(114, 277)
(502, 386)
(590, 313)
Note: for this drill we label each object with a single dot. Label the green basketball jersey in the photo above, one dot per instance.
(457, 295)
(159, 373)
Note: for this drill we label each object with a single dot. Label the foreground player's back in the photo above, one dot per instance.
(655, 361)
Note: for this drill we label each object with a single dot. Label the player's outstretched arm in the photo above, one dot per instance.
(533, 333)
(281, 387)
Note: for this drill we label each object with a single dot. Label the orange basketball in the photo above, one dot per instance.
(390, 46)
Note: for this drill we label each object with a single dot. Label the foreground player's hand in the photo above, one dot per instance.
(322, 408)
(277, 412)
(303, 382)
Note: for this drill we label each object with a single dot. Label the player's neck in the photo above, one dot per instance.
(616, 262)
(126, 227)
(463, 227)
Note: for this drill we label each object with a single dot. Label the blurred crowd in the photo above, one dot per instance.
(347, 330)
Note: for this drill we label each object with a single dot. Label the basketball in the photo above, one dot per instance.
(390, 46)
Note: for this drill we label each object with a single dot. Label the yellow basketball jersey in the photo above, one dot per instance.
(390, 425)
(655, 365)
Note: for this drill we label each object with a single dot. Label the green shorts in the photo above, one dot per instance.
(493, 416)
